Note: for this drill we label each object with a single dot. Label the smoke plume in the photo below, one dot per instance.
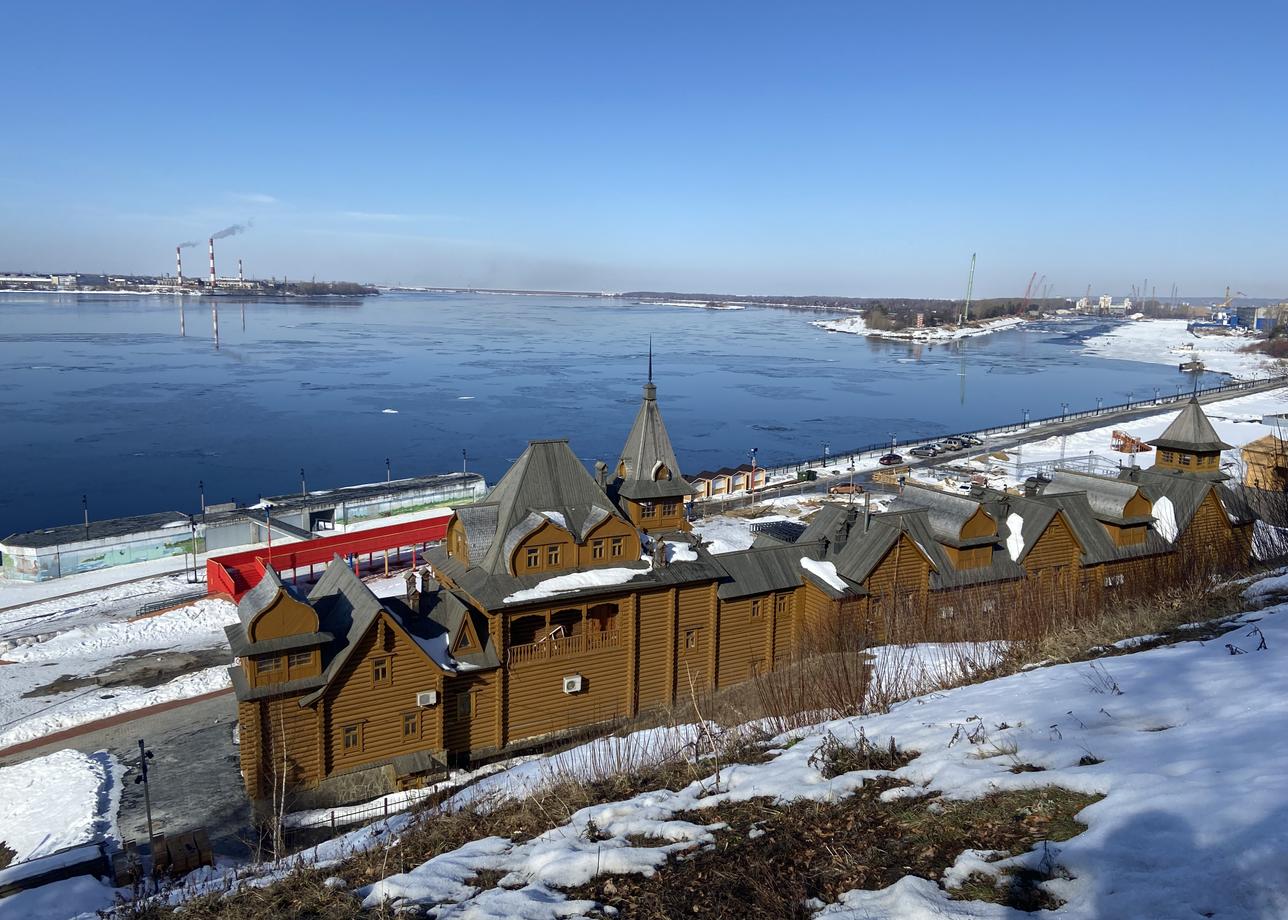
(189, 244)
(232, 231)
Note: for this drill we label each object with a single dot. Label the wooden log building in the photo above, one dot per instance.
(564, 599)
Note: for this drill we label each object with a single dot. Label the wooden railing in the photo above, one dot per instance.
(561, 646)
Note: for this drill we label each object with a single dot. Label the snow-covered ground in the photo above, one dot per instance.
(1185, 742)
(855, 325)
(1166, 341)
(57, 801)
(78, 653)
(727, 533)
(1191, 740)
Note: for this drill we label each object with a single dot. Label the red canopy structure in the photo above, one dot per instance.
(236, 573)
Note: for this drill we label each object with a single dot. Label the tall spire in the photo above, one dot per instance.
(650, 359)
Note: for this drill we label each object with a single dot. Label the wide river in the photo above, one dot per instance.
(102, 397)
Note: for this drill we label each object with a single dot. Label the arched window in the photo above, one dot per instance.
(565, 623)
(524, 630)
(602, 618)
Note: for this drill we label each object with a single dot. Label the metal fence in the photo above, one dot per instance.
(174, 601)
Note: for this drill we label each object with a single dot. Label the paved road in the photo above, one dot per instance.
(1000, 441)
(194, 778)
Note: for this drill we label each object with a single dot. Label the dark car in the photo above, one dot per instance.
(891, 459)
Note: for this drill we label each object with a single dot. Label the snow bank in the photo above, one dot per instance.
(103, 703)
(60, 800)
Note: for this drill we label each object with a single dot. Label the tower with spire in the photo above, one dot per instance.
(647, 482)
(1190, 445)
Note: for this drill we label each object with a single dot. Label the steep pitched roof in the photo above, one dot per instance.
(546, 484)
(1106, 497)
(1191, 431)
(648, 449)
(946, 512)
(257, 599)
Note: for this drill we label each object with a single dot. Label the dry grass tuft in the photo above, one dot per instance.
(773, 858)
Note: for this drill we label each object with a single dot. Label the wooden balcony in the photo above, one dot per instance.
(561, 647)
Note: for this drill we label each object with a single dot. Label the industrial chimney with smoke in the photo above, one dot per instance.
(240, 277)
(212, 261)
(178, 264)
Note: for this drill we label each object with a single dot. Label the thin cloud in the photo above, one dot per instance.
(255, 198)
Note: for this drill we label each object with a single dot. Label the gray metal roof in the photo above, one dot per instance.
(1184, 491)
(764, 569)
(71, 534)
(1034, 517)
(947, 513)
(243, 648)
(1107, 497)
(259, 598)
(547, 482)
(1191, 431)
(648, 447)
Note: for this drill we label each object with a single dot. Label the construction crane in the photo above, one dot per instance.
(970, 287)
(1229, 298)
(1028, 293)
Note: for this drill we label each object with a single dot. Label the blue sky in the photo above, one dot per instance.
(850, 148)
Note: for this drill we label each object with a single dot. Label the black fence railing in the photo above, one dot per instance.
(841, 459)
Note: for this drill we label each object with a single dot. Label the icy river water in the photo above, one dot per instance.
(100, 395)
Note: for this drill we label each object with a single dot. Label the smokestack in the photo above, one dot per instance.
(239, 271)
(212, 261)
(178, 264)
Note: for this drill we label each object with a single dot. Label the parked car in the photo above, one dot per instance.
(925, 450)
(846, 488)
(956, 443)
(891, 459)
(972, 440)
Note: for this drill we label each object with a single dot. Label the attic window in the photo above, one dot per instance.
(615, 547)
(379, 671)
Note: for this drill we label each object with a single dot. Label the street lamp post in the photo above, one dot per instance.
(1064, 410)
(144, 756)
(1099, 401)
(304, 486)
(389, 471)
(201, 489)
(751, 482)
(1026, 418)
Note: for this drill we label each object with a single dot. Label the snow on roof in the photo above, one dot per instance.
(575, 581)
(1015, 540)
(555, 518)
(825, 572)
(1165, 519)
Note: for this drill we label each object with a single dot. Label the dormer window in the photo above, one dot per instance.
(552, 556)
(534, 557)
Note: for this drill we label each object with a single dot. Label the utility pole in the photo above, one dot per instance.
(144, 756)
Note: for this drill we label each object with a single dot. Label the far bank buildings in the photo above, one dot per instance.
(564, 599)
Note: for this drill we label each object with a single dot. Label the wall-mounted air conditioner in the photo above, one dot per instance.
(427, 698)
(572, 683)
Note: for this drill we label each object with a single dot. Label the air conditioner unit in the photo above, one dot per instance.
(427, 698)
(572, 683)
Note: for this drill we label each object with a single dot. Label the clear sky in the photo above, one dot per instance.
(849, 148)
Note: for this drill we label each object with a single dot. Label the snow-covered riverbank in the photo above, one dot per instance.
(1166, 341)
(854, 325)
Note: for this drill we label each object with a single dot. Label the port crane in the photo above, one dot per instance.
(970, 287)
